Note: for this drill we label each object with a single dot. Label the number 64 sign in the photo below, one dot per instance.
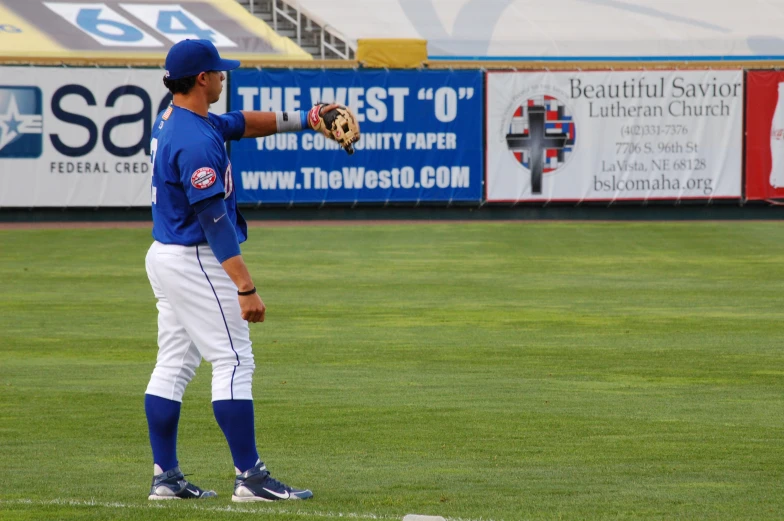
(111, 28)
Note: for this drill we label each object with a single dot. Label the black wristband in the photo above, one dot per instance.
(246, 293)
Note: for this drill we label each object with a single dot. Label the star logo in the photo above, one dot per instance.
(21, 122)
(13, 125)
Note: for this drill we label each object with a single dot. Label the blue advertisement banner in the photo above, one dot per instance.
(421, 137)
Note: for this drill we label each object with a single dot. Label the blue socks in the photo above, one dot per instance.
(235, 418)
(162, 418)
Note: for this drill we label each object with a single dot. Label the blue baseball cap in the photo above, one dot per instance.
(192, 57)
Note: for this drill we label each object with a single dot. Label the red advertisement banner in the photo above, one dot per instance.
(765, 135)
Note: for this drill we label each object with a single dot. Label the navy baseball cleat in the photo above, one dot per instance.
(256, 484)
(172, 485)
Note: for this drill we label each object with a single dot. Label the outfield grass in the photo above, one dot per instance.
(494, 371)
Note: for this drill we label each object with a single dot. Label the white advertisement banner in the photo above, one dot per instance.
(614, 136)
(78, 137)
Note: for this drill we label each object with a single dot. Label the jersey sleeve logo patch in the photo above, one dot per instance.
(167, 113)
(203, 178)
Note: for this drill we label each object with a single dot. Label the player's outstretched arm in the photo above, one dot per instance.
(260, 124)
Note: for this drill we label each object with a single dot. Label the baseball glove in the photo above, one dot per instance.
(337, 123)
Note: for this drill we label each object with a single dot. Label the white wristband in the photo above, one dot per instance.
(288, 121)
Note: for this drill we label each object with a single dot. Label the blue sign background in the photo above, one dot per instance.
(421, 137)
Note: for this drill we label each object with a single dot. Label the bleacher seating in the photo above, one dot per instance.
(302, 27)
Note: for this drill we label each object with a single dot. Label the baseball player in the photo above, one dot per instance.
(206, 296)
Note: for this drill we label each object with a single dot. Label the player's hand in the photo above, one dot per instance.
(337, 123)
(252, 308)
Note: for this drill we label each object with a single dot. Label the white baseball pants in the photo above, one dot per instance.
(198, 316)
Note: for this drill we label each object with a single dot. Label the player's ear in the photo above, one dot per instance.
(202, 78)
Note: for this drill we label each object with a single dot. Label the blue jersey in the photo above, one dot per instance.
(190, 164)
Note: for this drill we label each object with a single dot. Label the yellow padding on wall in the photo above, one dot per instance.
(38, 30)
(402, 53)
(20, 36)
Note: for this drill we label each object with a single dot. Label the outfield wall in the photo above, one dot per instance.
(79, 137)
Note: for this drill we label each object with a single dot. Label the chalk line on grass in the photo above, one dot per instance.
(231, 509)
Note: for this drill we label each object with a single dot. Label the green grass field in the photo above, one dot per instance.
(489, 370)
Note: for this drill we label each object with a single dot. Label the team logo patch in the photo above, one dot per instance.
(541, 136)
(203, 178)
(167, 113)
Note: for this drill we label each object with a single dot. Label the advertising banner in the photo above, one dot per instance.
(78, 137)
(134, 29)
(421, 137)
(765, 135)
(614, 136)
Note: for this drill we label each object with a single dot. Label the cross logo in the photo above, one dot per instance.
(541, 137)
